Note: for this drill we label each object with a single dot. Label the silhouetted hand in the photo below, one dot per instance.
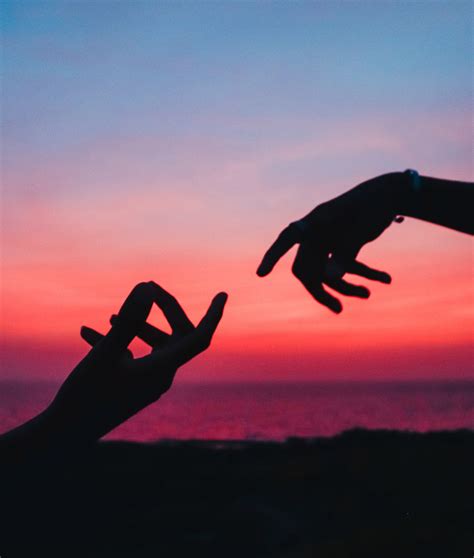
(108, 386)
(331, 236)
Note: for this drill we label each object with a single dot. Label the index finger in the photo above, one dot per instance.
(130, 318)
(288, 237)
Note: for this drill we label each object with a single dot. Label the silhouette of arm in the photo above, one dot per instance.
(109, 386)
(331, 236)
(443, 202)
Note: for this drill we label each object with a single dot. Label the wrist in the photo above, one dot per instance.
(407, 190)
(387, 192)
(29, 440)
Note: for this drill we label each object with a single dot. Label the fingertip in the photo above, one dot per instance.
(364, 292)
(222, 297)
(386, 278)
(262, 271)
(208, 325)
(334, 306)
(90, 336)
(219, 301)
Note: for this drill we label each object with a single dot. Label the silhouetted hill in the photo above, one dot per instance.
(363, 493)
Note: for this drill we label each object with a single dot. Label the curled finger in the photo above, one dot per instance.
(358, 268)
(149, 334)
(346, 288)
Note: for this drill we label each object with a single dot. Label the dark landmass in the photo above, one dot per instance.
(363, 493)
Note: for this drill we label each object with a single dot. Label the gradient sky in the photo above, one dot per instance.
(172, 141)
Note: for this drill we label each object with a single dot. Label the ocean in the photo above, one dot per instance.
(271, 411)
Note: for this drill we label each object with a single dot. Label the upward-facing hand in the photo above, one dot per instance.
(108, 386)
(331, 236)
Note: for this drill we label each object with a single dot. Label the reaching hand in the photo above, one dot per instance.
(331, 236)
(108, 386)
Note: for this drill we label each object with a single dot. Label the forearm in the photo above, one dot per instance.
(444, 202)
(26, 440)
(42, 436)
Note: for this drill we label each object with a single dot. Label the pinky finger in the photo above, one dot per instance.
(93, 337)
(90, 335)
(323, 297)
(347, 289)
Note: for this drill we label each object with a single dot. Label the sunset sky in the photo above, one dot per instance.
(172, 141)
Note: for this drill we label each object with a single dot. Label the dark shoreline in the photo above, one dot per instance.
(362, 493)
(271, 410)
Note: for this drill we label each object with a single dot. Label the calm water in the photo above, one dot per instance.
(272, 411)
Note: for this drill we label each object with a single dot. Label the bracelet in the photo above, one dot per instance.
(414, 180)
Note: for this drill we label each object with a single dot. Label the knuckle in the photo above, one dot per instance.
(142, 288)
(205, 344)
(297, 230)
(203, 341)
(166, 385)
(168, 298)
(188, 328)
(284, 233)
(172, 299)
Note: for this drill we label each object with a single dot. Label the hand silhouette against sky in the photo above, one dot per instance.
(109, 386)
(331, 236)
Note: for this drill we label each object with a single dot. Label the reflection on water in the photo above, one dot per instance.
(272, 411)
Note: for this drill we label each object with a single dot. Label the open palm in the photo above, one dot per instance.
(331, 236)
